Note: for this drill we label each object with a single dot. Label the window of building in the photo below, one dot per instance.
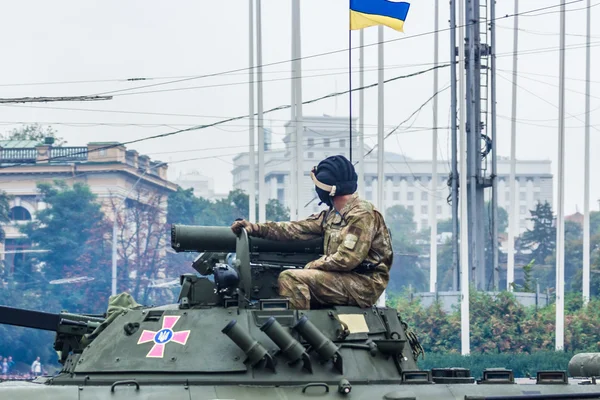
(536, 196)
(369, 195)
(396, 196)
(522, 196)
(411, 209)
(424, 224)
(281, 195)
(423, 195)
(342, 142)
(310, 155)
(310, 142)
(279, 178)
(507, 197)
(423, 209)
(326, 142)
(410, 196)
(523, 209)
(19, 213)
(439, 209)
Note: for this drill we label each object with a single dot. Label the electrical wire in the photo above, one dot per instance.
(395, 129)
(283, 107)
(524, 13)
(546, 101)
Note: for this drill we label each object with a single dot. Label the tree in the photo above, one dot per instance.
(406, 269)
(34, 132)
(74, 232)
(141, 242)
(541, 239)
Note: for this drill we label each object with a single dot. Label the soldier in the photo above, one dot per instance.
(354, 269)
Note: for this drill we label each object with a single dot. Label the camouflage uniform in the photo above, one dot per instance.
(356, 234)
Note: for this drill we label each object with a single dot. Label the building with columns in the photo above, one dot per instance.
(113, 173)
(408, 182)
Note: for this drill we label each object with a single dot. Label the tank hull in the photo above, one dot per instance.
(34, 391)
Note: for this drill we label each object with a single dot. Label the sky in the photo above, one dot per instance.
(66, 48)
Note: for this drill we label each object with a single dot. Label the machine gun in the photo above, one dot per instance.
(69, 328)
(250, 280)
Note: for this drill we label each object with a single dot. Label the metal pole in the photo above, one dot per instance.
(350, 89)
(380, 138)
(473, 139)
(361, 123)
(262, 201)
(251, 158)
(586, 190)
(513, 214)
(454, 116)
(299, 122)
(293, 194)
(434, 179)
(113, 290)
(464, 227)
(494, 147)
(560, 226)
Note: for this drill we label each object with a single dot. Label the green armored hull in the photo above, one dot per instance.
(234, 338)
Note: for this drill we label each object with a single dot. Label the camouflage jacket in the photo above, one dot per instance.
(350, 237)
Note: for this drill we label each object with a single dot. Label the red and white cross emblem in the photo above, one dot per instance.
(164, 336)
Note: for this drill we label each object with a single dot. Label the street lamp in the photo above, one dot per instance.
(114, 238)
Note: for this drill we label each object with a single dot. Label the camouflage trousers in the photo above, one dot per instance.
(305, 286)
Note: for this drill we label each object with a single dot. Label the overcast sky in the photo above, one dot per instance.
(110, 41)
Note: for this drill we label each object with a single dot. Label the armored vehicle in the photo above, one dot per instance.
(231, 336)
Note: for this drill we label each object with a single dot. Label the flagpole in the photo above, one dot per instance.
(251, 159)
(292, 194)
(434, 179)
(560, 212)
(361, 118)
(464, 212)
(350, 87)
(262, 215)
(586, 179)
(299, 121)
(380, 139)
(513, 215)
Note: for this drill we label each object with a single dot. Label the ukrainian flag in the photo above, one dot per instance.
(366, 13)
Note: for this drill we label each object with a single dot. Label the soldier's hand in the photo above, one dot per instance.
(240, 224)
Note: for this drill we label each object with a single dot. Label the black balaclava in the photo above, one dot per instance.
(338, 176)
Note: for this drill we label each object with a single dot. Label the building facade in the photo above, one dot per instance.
(117, 176)
(203, 186)
(408, 182)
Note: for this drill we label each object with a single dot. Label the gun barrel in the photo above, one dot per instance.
(221, 239)
(29, 318)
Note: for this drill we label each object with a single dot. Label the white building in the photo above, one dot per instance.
(203, 186)
(407, 181)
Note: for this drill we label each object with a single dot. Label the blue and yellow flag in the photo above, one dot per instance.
(366, 13)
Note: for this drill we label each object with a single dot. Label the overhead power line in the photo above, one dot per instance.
(52, 99)
(224, 121)
(533, 11)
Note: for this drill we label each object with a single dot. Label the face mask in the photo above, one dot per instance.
(324, 196)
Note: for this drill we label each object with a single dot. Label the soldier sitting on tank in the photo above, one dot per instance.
(354, 270)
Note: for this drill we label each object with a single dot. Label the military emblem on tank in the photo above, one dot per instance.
(163, 336)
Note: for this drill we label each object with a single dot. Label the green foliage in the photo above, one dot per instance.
(34, 132)
(542, 238)
(185, 208)
(406, 269)
(500, 324)
(73, 230)
(4, 212)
